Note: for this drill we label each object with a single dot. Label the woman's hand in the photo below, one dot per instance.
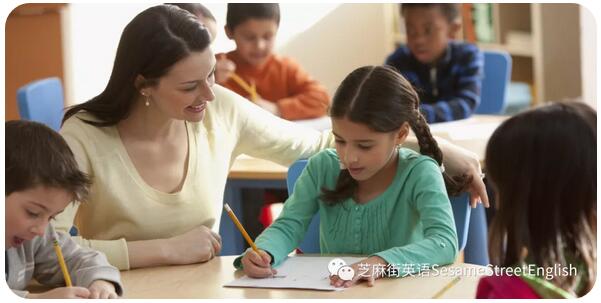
(101, 289)
(62, 293)
(459, 161)
(200, 244)
(360, 272)
(257, 265)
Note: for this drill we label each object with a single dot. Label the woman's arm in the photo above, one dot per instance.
(258, 133)
(197, 245)
(459, 161)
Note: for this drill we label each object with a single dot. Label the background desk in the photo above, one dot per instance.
(207, 280)
(247, 172)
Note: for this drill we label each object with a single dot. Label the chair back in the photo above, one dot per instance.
(42, 101)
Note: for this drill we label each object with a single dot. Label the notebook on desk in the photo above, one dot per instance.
(298, 272)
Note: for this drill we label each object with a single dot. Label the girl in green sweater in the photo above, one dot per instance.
(374, 197)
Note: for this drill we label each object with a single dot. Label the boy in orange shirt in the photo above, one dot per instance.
(280, 85)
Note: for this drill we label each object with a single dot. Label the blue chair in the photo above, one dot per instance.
(310, 243)
(42, 101)
(461, 213)
(497, 74)
(476, 249)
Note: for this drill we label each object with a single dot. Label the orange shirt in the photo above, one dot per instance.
(282, 81)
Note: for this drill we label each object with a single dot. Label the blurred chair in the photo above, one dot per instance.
(476, 249)
(42, 101)
(310, 243)
(497, 74)
(461, 213)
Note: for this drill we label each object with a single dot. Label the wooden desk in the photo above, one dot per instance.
(472, 133)
(249, 168)
(207, 280)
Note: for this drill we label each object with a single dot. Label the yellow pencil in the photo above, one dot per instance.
(251, 89)
(61, 259)
(240, 227)
(447, 287)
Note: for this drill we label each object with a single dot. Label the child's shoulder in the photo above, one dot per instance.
(400, 52)
(409, 159)
(461, 49)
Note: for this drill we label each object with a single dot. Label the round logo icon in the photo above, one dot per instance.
(334, 265)
(346, 273)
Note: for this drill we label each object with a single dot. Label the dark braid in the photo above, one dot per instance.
(379, 97)
(429, 147)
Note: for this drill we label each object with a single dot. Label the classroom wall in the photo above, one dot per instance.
(309, 32)
(350, 36)
(33, 49)
(588, 56)
(306, 33)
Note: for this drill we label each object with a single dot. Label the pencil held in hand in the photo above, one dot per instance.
(61, 263)
(240, 227)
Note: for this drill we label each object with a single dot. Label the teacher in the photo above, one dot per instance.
(158, 143)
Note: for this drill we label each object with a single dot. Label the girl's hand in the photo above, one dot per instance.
(257, 265)
(101, 289)
(200, 244)
(360, 274)
(62, 293)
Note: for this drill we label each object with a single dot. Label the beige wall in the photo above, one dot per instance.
(352, 35)
(589, 60)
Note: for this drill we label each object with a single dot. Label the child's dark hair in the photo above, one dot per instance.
(196, 9)
(38, 156)
(451, 11)
(379, 97)
(542, 164)
(238, 13)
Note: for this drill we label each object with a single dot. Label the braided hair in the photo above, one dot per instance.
(382, 99)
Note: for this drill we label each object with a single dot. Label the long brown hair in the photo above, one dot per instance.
(542, 164)
(382, 99)
(150, 45)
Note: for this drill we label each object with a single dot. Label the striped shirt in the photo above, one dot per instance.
(451, 89)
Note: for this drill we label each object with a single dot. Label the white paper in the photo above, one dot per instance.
(297, 272)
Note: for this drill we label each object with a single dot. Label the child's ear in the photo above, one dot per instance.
(228, 32)
(454, 29)
(403, 133)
